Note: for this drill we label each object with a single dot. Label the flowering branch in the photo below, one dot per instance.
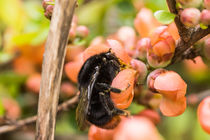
(188, 36)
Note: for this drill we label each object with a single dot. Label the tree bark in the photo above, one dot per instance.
(52, 68)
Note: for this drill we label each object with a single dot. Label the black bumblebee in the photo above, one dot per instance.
(95, 105)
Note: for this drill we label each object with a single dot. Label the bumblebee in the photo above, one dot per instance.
(95, 105)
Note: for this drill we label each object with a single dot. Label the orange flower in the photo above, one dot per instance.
(93, 50)
(172, 88)
(207, 4)
(145, 24)
(151, 115)
(119, 51)
(124, 81)
(68, 89)
(127, 36)
(96, 133)
(172, 29)
(204, 114)
(73, 51)
(196, 67)
(13, 110)
(72, 69)
(170, 85)
(141, 48)
(33, 82)
(136, 128)
(162, 49)
(173, 108)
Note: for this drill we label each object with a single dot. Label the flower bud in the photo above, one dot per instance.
(203, 113)
(12, 108)
(190, 3)
(207, 48)
(72, 32)
(162, 48)
(49, 11)
(207, 4)
(141, 48)
(141, 69)
(97, 41)
(82, 31)
(33, 82)
(68, 89)
(190, 17)
(45, 3)
(48, 8)
(205, 17)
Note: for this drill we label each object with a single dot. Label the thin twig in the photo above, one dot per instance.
(183, 31)
(22, 123)
(183, 46)
(196, 98)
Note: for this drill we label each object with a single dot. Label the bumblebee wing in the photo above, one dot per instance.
(84, 101)
(82, 108)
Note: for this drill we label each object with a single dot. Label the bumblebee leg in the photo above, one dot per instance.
(109, 106)
(122, 112)
(107, 103)
(108, 87)
(112, 89)
(117, 90)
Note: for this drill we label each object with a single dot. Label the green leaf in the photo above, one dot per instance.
(92, 12)
(51, 2)
(4, 57)
(1, 109)
(10, 77)
(164, 17)
(203, 26)
(155, 5)
(135, 108)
